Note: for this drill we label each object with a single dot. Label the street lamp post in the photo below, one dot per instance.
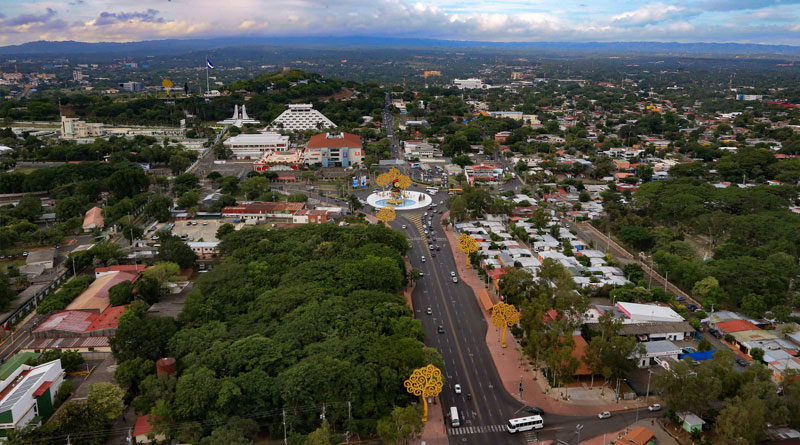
(647, 394)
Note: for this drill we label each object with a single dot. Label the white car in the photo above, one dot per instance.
(654, 407)
(430, 311)
(457, 388)
(604, 415)
(455, 280)
(452, 274)
(422, 259)
(404, 227)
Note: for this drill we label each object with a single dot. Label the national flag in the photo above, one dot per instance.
(209, 64)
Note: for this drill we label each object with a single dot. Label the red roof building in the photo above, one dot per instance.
(263, 210)
(729, 327)
(334, 149)
(144, 429)
(131, 268)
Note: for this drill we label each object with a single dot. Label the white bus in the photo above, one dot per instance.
(454, 417)
(525, 424)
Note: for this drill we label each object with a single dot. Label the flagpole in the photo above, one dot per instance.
(207, 89)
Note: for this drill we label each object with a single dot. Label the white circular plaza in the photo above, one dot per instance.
(411, 201)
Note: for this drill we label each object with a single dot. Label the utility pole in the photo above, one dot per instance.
(647, 394)
(285, 440)
(347, 433)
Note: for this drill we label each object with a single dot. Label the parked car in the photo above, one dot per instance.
(679, 299)
(604, 415)
(692, 307)
(688, 350)
(654, 407)
(742, 362)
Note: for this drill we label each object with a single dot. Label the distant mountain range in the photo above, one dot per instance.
(181, 46)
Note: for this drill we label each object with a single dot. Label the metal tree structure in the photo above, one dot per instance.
(425, 382)
(467, 245)
(503, 316)
(383, 180)
(386, 214)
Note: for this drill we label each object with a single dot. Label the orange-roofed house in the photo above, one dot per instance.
(95, 297)
(143, 431)
(131, 268)
(93, 219)
(637, 436)
(729, 327)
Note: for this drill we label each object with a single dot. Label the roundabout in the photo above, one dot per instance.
(395, 194)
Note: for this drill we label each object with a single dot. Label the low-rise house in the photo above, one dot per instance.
(41, 257)
(204, 249)
(93, 219)
(95, 297)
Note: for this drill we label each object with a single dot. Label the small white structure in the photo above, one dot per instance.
(470, 84)
(659, 352)
(239, 117)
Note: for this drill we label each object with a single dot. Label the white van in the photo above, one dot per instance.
(454, 421)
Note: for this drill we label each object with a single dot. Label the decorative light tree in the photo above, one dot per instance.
(503, 316)
(467, 245)
(425, 382)
(386, 214)
(383, 180)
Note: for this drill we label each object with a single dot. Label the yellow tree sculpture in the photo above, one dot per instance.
(503, 316)
(467, 245)
(386, 214)
(383, 180)
(404, 182)
(425, 382)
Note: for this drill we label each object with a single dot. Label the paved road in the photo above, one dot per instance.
(467, 360)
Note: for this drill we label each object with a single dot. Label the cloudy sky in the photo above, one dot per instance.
(747, 21)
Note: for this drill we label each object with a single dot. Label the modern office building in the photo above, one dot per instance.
(253, 146)
(334, 150)
(130, 86)
(27, 393)
(72, 128)
(301, 117)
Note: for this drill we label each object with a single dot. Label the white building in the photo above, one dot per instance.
(71, 128)
(29, 393)
(647, 313)
(516, 115)
(470, 84)
(301, 117)
(252, 146)
(239, 117)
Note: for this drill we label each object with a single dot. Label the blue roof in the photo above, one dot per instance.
(699, 356)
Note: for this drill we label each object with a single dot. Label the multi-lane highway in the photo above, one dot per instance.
(467, 361)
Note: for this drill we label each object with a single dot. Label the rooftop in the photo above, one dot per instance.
(729, 327)
(649, 312)
(334, 140)
(95, 297)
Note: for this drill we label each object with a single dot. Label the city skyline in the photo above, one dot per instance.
(739, 21)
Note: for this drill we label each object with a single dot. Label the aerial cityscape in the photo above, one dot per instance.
(391, 222)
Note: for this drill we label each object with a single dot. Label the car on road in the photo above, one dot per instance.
(421, 274)
(534, 410)
(438, 248)
(742, 362)
(604, 415)
(25, 253)
(429, 311)
(441, 329)
(455, 279)
(457, 388)
(404, 227)
(422, 258)
(654, 407)
(452, 274)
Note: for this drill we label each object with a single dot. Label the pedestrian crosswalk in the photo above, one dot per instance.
(475, 430)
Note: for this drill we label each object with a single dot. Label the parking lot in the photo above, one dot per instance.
(197, 229)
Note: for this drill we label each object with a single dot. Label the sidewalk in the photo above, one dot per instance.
(435, 429)
(513, 367)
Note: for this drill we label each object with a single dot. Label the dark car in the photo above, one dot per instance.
(534, 410)
(742, 362)
(441, 329)
(691, 307)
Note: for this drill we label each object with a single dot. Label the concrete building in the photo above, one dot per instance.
(253, 146)
(334, 150)
(470, 84)
(647, 313)
(239, 118)
(260, 211)
(28, 394)
(307, 216)
(41, 257)
(660, 353)
(72, 128)
(516, 115)
(204, 249)
(130, 86)
(301, 117)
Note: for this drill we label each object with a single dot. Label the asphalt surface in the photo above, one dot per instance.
(466, 357)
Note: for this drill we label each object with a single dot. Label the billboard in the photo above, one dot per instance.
(363, 181)
(355, 182)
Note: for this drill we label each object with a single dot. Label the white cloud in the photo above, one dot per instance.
(653, 13)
